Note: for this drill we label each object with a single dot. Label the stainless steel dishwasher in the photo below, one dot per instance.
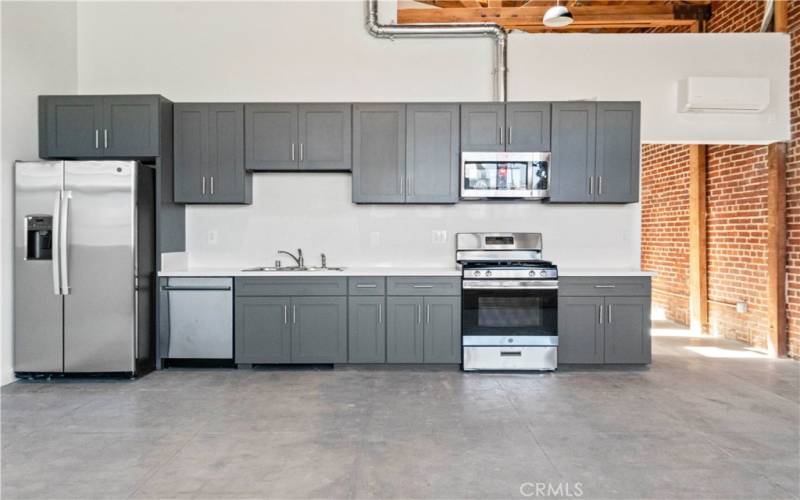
(199, 318)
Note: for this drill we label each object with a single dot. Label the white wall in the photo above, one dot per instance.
(316, 51)
(38, 57)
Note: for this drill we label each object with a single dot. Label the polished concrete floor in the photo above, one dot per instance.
(709, 419)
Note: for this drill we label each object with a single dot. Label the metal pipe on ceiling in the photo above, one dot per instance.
(769, 9)
(392, 31)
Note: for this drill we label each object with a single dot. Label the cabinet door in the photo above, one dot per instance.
(271, 137)
(379, 153)
(404, 330)
(483, 127)
(325, 137)
(130, 126)
(228, 182)
(70, 126)
(319, 329)
(367, 330)
(528, 126)
(627, 333)
(442, 329)
(262, 330)
(618, 151)
(191, 153)
(573, 152)
(432, 153)
(580, 330)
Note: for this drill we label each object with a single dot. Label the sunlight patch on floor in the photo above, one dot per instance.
(719, 352)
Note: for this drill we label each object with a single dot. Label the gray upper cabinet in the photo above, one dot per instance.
(442, 332)
(123, 126)
(325, 137)
(580, 330)
(271, 137)
(130, 126)
(404, 330)
(209, 154)
(618, 151)
(366, 331)
(319, 329)
(573, 152)
(528, 126)
(262, 330)
(627, 330)
(70, 126)
(379, 153)
(483, 127)
(432, 152)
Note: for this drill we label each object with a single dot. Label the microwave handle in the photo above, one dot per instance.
(530, 176)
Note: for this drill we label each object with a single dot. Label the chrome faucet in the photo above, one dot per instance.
(298, 259)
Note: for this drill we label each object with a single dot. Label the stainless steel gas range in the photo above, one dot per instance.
(509, 308)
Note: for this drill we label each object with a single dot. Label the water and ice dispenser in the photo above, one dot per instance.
(39, 237)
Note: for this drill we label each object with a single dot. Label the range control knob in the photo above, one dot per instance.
(488, 273)
(476, 273)
(531, 273)
(542, 273)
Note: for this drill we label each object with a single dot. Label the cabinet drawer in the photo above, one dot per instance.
(281, 286)
(423, 285)
(605, 286)
(369, 285)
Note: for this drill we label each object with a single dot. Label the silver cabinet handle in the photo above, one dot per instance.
(601, 314)
(96, 138)
(419, 314)
(301, 151)
(591, 184)
(422, 286)
(605, 286)
(294, 314)
(609, 313)
(105, 138)
(501, 134)
(292, 151)
(380, 314)
(285, 314)
(173, 288)
(62, 244)
(402, 185)
(428, 313)
(212, 184)
(56, 251)
(599, 184)
(204, 184)
(410, 186)
(366, 285)
(510, 134)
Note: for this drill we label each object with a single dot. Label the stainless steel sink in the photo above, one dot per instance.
(291, 269)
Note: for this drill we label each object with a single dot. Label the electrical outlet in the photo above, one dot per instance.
(213, 236)
(439, 236)
(374, 239)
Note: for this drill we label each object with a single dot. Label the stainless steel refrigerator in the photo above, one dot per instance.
(84, 267)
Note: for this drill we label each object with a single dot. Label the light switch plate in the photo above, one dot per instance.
(439, 236)
(374, 239)
(213, 237)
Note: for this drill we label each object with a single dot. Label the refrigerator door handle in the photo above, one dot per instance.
(62, 244)
(56, 256)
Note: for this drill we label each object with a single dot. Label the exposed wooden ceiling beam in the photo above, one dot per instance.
(625, 15)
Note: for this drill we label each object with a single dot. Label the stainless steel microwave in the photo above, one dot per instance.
(505, 175)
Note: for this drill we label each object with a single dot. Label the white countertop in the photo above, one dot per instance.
(571, 271)
(348, 271)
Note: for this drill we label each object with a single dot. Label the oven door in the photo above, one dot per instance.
(509, 312)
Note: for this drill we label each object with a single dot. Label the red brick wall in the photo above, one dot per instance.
(665, 227)
(736, 189)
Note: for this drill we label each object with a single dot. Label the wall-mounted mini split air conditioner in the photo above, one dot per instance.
(698, 94)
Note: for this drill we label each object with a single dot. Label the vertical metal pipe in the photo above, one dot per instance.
(496, 31)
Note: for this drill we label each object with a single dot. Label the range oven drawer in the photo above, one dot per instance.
(510, 358)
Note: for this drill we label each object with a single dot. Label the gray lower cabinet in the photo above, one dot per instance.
(618, 152)
(580, 331)
(118, 126)
(404, 330)
(483, 127)
(379, 153)
(442, 332)
(573, 152)
(319, 329)
(366, 332)
(209, 154)
(432, 153)
(262, 330)
(627, 330)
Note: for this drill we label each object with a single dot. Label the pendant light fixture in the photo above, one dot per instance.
(557, 16)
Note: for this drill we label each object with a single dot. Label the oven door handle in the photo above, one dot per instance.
(510, 285)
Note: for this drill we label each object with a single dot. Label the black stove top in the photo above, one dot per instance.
(535, 264)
